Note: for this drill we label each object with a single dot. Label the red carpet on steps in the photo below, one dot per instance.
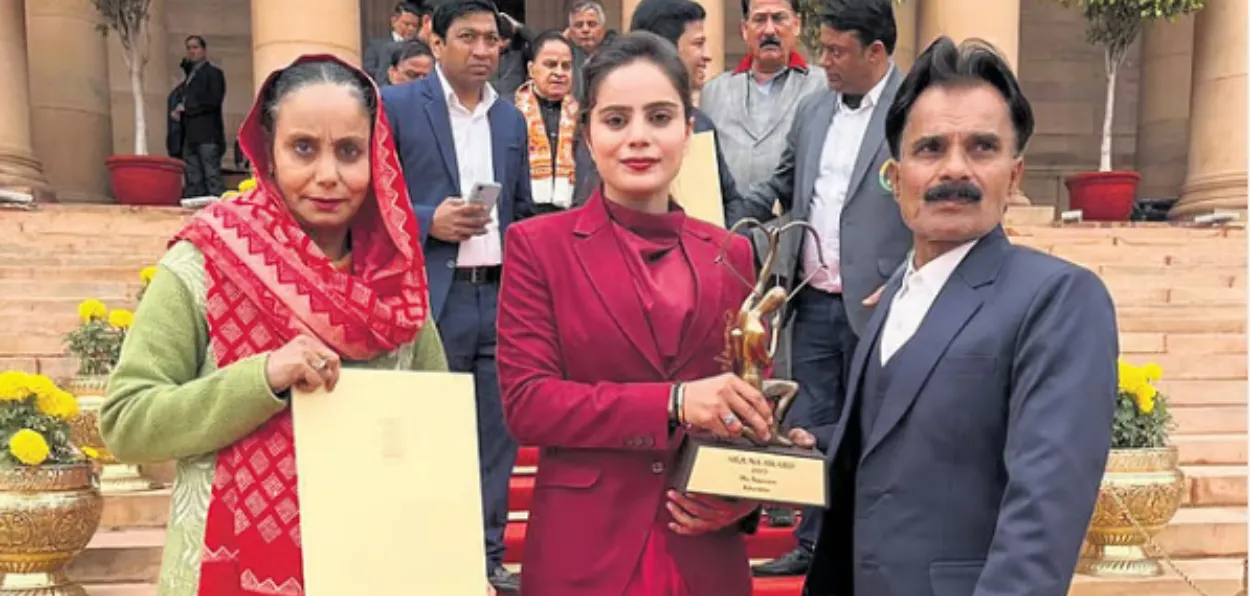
(767, 543)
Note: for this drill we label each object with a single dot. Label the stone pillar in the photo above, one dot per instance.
(18, 166)
(1216, 178)
(70, 97)
(157, 83)
(714, 27)
(282, 30)
(905, 22)
(627, 13)
(1163, 106)
(997, 22)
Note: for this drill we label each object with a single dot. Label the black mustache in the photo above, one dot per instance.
(770, 40)
(953, 190)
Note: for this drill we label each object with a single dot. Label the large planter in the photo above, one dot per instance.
(48, 514)
(1149, 486)
(115, 477)
(1103, 196)
(146, 179)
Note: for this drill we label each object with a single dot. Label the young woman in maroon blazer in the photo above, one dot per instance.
(611, 324)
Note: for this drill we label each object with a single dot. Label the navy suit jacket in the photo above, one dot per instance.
(418, 116)
(980, 472)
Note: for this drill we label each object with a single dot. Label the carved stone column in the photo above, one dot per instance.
(997, 22)
(905, 22)
(1216, 178)
(284, 29)
(18, 166)
(1163, 107)
(70, 97)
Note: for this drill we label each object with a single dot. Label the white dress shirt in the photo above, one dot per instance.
(470, 131)
(837, 161)
(915, 296)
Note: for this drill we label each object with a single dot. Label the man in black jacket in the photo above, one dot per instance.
(203, 128)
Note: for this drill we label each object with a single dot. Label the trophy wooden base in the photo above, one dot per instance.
(740, 469)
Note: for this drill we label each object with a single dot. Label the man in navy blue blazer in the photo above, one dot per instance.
(974, 434)
(452, 132)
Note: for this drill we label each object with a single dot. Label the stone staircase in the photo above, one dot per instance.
(1180, 294)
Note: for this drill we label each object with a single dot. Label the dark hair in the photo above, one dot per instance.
(411, 48)
(447, 12)
(309, 73)
(407, 7)
(542, 39)
(870, 20)
(626, 49)
(746, 6)
(666, 18)
(943, 64)
(203, 44)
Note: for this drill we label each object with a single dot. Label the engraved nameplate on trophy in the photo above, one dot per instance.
(773, 471)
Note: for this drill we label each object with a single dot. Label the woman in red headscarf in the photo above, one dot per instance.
(317, 268)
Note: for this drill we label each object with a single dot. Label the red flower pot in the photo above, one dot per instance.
(146, 179)
(1103, 196)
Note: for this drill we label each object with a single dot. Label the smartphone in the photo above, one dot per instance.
(485, 194)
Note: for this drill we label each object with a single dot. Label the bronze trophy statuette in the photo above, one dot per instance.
(773, 471)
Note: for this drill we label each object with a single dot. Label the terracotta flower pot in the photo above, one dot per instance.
(146, 179)
(1103, 196)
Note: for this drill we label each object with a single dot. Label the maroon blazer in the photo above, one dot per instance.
(581, 378)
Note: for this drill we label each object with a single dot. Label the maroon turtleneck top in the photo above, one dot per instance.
(652, 247)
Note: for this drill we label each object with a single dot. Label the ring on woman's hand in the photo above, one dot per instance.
(729, 419)
(319, 365)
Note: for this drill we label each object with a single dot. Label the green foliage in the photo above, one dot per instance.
(1115, 24)
(1134, 429)
(97, 344)
(16, 415)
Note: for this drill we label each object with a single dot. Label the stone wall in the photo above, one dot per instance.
(1062, 74)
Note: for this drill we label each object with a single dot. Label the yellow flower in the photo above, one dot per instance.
(1146, 399)
(1153, 372)
(29, 447)
(91, 310)
(147, 273)
(247, 185)
(121, 318)
(58, 404)
(13, 385)
(1131, 377)
(90, 452)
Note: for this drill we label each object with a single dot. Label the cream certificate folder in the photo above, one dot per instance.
(697, 186)
(390, 501)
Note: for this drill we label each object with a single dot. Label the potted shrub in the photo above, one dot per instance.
(97, 343)
(49, 504)
(1142, 486)
(138, 179)
(1108, 195)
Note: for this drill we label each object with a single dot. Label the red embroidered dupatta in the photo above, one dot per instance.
(267, 283)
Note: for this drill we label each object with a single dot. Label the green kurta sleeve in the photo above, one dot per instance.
(164, 403)
(428, 354)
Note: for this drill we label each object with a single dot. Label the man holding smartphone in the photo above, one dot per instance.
(466, 165)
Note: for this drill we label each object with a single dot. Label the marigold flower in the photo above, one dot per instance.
(29, 447)
(91, 310)
(57, 404)
(90, 452)
(147, 273)
(13, 385)
(121, 318)
(247, 185)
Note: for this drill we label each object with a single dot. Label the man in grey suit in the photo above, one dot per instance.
(828, 176)
(967, 457)
(753, 105)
